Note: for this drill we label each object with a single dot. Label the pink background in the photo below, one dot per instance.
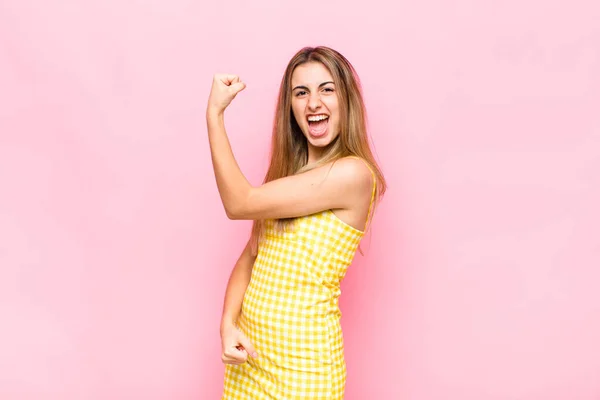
(480, 280)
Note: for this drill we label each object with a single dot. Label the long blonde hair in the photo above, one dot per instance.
(289, 148)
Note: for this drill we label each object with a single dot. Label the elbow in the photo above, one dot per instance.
(234, 213)
(238, 208)
(231, 215)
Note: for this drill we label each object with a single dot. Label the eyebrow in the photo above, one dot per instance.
(306, 88)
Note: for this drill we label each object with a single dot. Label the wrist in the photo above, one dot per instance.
(214, 112)
(227, 323)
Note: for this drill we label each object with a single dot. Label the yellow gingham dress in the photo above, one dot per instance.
(290, 312)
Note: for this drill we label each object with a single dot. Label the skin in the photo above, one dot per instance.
(343, 187)
(314, 93)
(236, 347)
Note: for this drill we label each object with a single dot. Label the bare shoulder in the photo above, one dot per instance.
(353, 172)
(356, 179)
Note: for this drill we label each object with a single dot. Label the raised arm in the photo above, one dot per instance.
(338, 186)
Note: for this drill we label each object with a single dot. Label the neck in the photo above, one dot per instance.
(315, 154)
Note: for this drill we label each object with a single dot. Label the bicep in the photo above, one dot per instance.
(328, 187)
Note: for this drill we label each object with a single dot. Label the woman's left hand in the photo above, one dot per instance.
(224, 89)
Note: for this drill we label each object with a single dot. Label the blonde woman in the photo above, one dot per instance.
(280, 329)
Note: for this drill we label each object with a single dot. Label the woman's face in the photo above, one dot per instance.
(315, 104)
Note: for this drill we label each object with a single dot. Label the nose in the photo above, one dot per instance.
(314, 102)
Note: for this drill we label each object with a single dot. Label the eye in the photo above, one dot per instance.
(300, 93)
(328, 89)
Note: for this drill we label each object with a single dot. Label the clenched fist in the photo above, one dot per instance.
(236, 346)
(224, 89)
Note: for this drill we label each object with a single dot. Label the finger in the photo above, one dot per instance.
(236, 354)
(236, 359)
(228, 79)
(238, 87)
(248, 346)
(233, 361)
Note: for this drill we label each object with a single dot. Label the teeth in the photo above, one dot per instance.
(315, 118)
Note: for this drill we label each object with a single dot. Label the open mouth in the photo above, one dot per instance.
(317, 124)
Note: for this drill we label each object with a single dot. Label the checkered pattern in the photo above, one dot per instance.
(290, 313)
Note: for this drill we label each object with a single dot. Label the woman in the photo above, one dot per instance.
(280, 329)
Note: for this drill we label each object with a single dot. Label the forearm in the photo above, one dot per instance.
(234, 295)
(231, 182)
(236, 288)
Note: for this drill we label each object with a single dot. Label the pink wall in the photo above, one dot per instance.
(480, 281)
